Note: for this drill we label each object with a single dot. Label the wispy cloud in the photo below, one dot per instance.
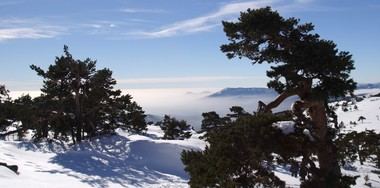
(15, 28)
(203, 23)
(209, 21)
(136, 10)
(27, 33)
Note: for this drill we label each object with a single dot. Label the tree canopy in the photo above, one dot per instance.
(297, 55)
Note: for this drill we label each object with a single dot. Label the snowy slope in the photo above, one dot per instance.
(370, 109)
(121, 160)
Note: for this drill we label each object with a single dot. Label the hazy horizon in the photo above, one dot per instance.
(186, 103)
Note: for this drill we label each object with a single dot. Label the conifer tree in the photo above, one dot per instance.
(174, 129)
(81, 100)
(361, 118)
(4, 108)
(302, 65)
(212, 120)
(3, 92)
(135, 118)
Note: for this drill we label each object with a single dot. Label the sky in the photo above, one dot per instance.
(158, 44)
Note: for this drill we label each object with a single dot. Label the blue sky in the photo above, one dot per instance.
(168, 43)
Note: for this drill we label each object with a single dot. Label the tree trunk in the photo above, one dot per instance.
(78, 113)
(329, 171)
(78, 118)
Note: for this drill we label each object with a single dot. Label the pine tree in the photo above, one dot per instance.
(4, 108)
(81, 100)
(302, 65)
(241, 154)
(3, 92)
(136, 118)
(174, 129)
(237, 111)
(129, 115)
(361, 118)
(212, 121)
(23, 112)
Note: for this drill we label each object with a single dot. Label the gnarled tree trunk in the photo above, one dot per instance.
(328, 173)
(329, 170)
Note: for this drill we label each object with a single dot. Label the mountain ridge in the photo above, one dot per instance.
(249, 91)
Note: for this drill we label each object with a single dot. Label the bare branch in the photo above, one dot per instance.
(267, 108)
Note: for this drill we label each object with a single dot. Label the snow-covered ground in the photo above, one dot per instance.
(370, 109)
(121, 160)
(125, 160)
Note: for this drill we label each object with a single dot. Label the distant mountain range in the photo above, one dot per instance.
(236, 92)
(241, 92)
(369, 86)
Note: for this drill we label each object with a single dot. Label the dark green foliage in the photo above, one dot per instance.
(3, 92)
(81, 101)
(262, 35)
(363, 146)
(174, 129)
(245, 151)
(212, 121)
(22, 109)
(241, 154)
(135, 118)
(5, 108)
(237, 112)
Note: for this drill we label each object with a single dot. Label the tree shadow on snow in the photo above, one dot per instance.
(118, 160)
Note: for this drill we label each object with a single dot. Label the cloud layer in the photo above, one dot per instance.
(204, 23)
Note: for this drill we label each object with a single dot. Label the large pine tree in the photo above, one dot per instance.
(302, 65)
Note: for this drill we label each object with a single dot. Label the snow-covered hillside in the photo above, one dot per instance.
(127, 160)
(121, 160)
(370, 109)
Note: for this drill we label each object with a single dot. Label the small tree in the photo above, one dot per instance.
(174, 129)
(135, 118)
(3, 92)
(212, 121)
(361, 118)
(236, 112)
(5, 108)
